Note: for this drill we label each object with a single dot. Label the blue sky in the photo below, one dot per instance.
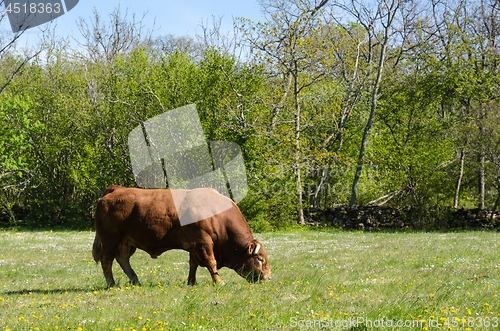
(172, 17)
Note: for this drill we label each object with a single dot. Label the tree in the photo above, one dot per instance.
(465, 45)
(104, 42)
(294, 48)
(12, 64)
(352, 73)
(371, 19)
(491, 142)
(170, 44)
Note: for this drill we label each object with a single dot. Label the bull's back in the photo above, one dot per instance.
(123, 208)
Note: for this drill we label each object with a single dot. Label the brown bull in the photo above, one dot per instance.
(131, 218)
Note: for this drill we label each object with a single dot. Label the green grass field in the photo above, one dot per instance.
(321, 280)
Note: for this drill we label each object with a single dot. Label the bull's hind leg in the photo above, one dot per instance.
(107, 264)
(123, 258)
(108, 254)
(193, 265)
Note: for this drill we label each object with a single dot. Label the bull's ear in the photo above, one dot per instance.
(253, 248)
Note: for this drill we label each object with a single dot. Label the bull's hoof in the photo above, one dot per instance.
(110, 285)
(192, 282)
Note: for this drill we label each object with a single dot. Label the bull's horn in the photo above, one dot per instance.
(256, 251)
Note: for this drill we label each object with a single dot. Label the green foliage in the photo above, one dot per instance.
(412, 144)
(14, 116)
(88, 109)
(297, 104)
(17, 127)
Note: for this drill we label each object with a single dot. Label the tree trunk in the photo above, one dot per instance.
(481, 180)
(459, 179)
(298, 181)
(391, 9)
(497, 201)
(373, 107)
(482, 159)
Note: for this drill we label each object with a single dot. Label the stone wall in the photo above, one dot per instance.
(376, 218)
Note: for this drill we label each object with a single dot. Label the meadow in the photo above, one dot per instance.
(321, 280)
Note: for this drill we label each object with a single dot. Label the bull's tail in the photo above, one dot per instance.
(96, 249)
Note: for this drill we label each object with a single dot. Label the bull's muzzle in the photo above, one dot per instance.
(263, 278)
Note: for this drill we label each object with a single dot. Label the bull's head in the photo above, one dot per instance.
(255, 266)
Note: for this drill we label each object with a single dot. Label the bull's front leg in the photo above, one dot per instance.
(212, 268)
(206, 258)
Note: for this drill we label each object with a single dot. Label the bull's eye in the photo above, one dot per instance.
(261, 260)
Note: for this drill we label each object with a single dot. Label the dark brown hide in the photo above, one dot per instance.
(130, 218)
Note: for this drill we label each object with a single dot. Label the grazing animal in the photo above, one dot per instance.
(131, 218)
